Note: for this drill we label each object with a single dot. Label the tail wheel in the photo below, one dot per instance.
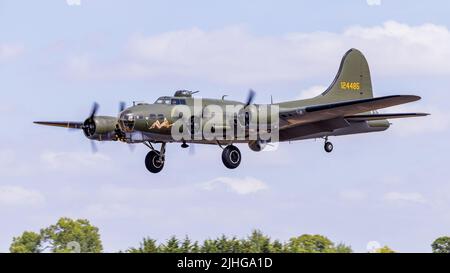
(231, 157)
(154, 162)
(328, 147)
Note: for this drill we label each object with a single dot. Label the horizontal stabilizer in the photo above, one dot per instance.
(384, 116)
(363, 105)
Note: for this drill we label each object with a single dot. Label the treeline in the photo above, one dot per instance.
(69, 235)
(257, 242)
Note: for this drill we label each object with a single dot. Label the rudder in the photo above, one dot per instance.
(352, 80)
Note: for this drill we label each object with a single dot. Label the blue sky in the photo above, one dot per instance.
(56, 59)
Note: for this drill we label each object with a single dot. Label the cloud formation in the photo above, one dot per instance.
(19, 196)
(241, 186)
(405, 197)
(235, 55)
(10, 51)
(72, 160)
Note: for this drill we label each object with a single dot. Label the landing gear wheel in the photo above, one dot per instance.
(231, 157)
(328, 147)
(153, 162)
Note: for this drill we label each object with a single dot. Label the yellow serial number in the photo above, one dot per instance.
(350, 85)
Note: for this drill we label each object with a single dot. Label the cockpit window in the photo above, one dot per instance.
(168, 100)
(178, 101)
(127, 122)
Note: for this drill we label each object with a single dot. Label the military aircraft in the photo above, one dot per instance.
(346, 107)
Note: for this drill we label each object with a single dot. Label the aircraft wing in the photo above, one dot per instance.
(64, 124)
(384, 116)
(310, 114)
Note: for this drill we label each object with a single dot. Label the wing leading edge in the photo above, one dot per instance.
(63, 124)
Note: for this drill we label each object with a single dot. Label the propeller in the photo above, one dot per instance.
(122, 106)
(89, 124)
(94, 110)
(250, 97)
(94, 148)
(191, 149)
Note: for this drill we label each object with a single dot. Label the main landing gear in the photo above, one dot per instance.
(154, 161)
(231, 157)
(328, 146)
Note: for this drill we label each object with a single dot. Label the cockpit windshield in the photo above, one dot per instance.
(163, 100)
(169, 100)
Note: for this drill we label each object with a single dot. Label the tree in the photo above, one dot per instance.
(28, 242)
(172, 246)
(276, 247)
(384, 249)
(441, 245)
(68, 233)
(342, 248)
(310, 244)
(257, 242)
(147, 245)
(187, 246)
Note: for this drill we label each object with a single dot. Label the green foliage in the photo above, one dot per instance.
(310, 244)
(148, 245)
(28, 242)
(441, 245)
(342, 248)
(66, 235)
(66, 231)
(172, 246)
(384, 249)
(257, 242)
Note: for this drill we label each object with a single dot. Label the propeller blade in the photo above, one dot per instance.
(94, 110)
(94, 148)
(131, 147)
(122, 106)
(191, 149)
(250, 97)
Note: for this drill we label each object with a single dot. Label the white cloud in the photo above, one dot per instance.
(373, 2)
(72, 160)
(242, 186)
(353, 195)
(311, 92)
(19, 196)
(405, 197)
(73, 2)
(10, 51)
(234, 55)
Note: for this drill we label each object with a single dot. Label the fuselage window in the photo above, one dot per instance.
(160, 117)
(152, 116)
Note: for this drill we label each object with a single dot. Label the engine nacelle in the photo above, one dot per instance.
(100, 128)
(257, 145)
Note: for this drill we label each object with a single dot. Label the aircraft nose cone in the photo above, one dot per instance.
(126, 121)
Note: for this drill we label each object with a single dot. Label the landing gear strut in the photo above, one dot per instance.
(328, 146)
(231, 157)
(154, 161)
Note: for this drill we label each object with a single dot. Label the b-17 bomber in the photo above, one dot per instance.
(346, 107)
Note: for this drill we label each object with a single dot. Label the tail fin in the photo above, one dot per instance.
(352, 80)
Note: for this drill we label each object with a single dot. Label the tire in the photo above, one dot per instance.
(153, 162)
(231, 157)
(328, 147)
